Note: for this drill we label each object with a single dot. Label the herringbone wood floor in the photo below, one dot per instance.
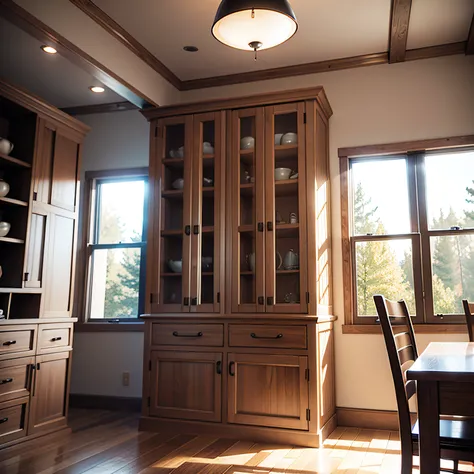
(105, 442)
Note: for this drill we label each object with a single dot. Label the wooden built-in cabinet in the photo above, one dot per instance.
(37, 260)
(239, 336)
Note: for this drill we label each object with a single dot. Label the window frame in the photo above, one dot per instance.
(414, 153)
(88, 243)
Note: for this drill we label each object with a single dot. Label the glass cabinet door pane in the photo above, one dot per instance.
(207, 201)
(247, 210)
(175, 161)
(286, 210)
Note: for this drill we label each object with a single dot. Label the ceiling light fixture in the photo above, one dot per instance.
(254, 25)
(48, 49)
(191, 49)
(97, 89)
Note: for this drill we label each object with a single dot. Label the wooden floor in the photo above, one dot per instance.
(105, 442)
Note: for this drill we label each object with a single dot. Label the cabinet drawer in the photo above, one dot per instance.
(53, 338)
(15, 378)
(187, 335)
(259, 335)
(13, 341)
(13, 420)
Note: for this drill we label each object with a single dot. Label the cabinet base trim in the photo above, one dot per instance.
(252, 433)
(105, 402)
(50, 434)
(369, 419)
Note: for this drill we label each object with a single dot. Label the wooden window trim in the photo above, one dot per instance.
(409, 149)
(86, 215)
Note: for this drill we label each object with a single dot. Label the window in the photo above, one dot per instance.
(408, 230)
(116, 248)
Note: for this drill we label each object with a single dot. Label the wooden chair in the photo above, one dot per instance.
(468, 310)
(402, 353)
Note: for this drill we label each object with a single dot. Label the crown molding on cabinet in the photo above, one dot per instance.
(400, 19)
(122, 35)
(36, 28)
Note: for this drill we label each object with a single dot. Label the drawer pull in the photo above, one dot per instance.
(3, 420)
(278, 336)
(177, 334)
(54, 339)
(9, 343)
(232, 369)
(4, 381)
(219, 367)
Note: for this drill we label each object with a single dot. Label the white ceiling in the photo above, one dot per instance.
(51, 77)
(328, 29)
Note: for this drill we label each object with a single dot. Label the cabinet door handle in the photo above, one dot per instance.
(219, 367)
(194, 301)
(261, 300)
(186, 301)
(278, 336)
(260, 226)
(269, 226)
(187, 230)
(54, 339)
(196, 230)
(177, 334)
(4, 381)
(232, 369)
(9, 343)
(3, 420)
(269, 300)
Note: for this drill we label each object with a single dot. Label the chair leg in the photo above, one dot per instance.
(456, 466)
(407, 463)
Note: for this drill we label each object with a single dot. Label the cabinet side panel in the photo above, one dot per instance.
(327, 395)
(35, 252)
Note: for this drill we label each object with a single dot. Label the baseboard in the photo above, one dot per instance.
(105, 402)
(370, 419)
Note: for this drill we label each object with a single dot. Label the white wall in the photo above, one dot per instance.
(378, 104)
(117, 140)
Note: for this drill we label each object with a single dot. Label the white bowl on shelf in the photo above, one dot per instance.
(289, 138)
(282, 174)
(178, 184)
(246, 143)
(207, 148)
(278, 137)
(176, 266)
(4, 228)
(180, 152)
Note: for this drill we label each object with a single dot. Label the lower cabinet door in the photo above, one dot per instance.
(186, 385)
(13, 419)
(48, 409)
(268, 390)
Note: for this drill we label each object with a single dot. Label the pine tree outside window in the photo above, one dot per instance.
(116, 246)
(408, 230)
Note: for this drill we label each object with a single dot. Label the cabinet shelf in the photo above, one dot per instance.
(247, 189)
(207, 273)
(173, 162)
(247, 273)
(207, 190)
(286, 187)
(6, 160)
(15, 202)
(173, 194)
(283, 152)
(287, 230)
(288, 272)
(171, 274)
(247, 156)
(11, 240)
(246, 228)
(208, 157)
(209, 229)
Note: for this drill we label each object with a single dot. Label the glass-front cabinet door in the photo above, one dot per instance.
(246, 206)
(207, 264)
(285, 209)
(173, 157)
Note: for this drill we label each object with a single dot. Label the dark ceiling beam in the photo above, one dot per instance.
(470, 39)
(122, 35)
(42, 32)
(99, 108)
(399, 20)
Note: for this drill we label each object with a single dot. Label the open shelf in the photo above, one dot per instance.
(247, 156)
(173, 194)
(174, 162)
(247, 189)
(207, 190)
(11, 240)
(287, 272)
(247, 273)
(171, 274)
(207, 273)
(246, 228)
(6, 160)
(14, 202)
(208, 157)
(286, 187)
(209, 229)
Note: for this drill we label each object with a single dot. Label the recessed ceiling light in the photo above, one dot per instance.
(191, 49)
(48, 49)
(97, 89)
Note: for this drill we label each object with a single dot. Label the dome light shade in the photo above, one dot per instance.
(242, 24)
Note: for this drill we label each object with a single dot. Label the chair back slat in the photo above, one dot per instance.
(468, 311)
(402, 352)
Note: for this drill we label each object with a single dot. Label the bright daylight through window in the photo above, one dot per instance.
(117, 248)
(411, 224)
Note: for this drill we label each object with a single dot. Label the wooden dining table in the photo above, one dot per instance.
(444, 373)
